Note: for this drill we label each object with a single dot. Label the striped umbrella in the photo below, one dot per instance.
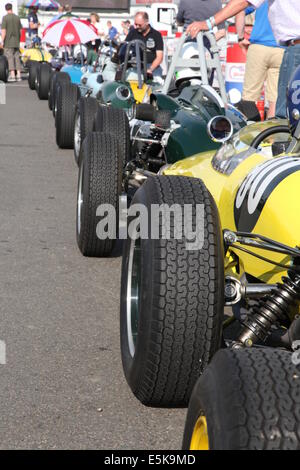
(69, 31)
(43, 4)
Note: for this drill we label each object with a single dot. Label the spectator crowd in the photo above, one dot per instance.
(273, 50)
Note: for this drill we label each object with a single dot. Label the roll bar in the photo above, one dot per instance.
(203, 63)
(141, 67)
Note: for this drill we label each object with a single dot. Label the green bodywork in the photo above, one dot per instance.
(191, 110)
(193, 117)
(109, 97)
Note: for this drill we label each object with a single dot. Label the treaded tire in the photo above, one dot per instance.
(58, 79)
(43, 79)
(33, 66)
(66, 99)
(99, 182)
(84, 119)
(115, 121)
(251, 401)
(180, 301)
(4, 69)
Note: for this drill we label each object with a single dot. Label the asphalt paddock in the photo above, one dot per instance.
(62, 386)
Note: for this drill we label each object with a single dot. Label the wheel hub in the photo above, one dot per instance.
(133, 294)
(200, 439)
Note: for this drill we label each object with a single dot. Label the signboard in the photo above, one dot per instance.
(2, 7)
(117, 5)
(148, 2)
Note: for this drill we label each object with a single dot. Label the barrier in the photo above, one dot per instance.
(235, 67)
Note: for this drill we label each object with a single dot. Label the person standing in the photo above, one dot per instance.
(33, 23)
(264, 58)
(153, 41)
(198, 10)
(95, 21)
(285, 22)
(112, 32)
(11, 33)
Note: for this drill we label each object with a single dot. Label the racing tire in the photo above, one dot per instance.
(3, 69)
(59, 78)
(33, 66)
(84, 122)
(66, 100)
(43, 80)
(115, 121)
(99, 182)
(247, 399)
(172, 298)
(50, 94)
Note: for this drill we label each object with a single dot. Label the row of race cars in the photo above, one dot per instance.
(174, 145)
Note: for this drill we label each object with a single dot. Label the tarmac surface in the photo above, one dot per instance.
(62, 386)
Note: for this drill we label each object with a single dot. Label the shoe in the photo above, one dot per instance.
(11, 79)
(19, 79)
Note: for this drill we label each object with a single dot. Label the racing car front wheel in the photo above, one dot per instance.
(33, 66)
(247, 399)
(115, 121)
(66, 100)
(172, 292)
(3, 69)
(99, 189)
(59, 78)
(84, 122)
(43, 80)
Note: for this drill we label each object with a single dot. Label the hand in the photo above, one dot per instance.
(244, 45)
(195, 28)
(150, 74)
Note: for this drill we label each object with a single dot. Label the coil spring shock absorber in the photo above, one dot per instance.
(271, 310)
(155, 134)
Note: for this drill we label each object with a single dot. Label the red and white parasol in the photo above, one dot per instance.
(69, 31)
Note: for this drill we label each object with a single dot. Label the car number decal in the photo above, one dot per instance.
(257, 188)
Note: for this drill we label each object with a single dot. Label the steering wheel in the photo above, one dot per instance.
(267, 133)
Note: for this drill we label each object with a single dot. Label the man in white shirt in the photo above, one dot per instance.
(284, 16)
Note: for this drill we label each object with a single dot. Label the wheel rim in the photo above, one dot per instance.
(200, 439)
(133, 294)
(77, 136)
(80, 198)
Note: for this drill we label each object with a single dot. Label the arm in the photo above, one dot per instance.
(33, 25)
(240, 27)
(231, 9)
(3, 34)
(240, 24)
(157, 61)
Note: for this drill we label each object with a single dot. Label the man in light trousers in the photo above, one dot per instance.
(285, 22)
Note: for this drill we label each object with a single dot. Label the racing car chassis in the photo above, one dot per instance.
(277, 301)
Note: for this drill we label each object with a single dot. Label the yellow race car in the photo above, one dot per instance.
(32, 58)
(36, 54)
(211, 289)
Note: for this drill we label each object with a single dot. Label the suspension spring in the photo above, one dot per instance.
(154, 135)
(272, 310)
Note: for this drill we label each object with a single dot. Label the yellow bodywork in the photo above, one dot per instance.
(141, 95)
(279, 219)
(36, 54)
